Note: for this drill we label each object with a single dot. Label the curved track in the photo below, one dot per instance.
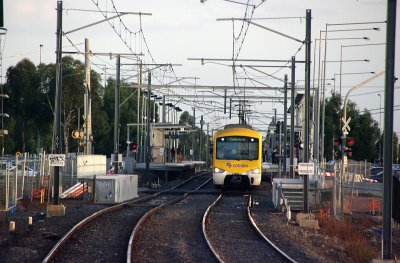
(166, 228)
(104, 236)
(227, 227)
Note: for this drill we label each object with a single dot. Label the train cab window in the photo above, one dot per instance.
(237, 148)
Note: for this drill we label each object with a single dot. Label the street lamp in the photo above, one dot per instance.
(317, 131)
(341, 55)
(324, 70)
(321, 132)
(345, 130)
(348, 73)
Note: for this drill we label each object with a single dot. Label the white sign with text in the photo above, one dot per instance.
(306, 168)
(57, 159)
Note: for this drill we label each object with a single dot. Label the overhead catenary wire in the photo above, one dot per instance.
(127, 30)
(83, 54)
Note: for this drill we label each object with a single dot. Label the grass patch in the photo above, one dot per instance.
(355, 244)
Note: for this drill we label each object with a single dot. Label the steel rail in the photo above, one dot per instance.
(252, 223)
(261, 234)
(90, 218)
(205, 217)
(146, 216)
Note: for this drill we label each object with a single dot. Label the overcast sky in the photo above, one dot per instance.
(180, 29)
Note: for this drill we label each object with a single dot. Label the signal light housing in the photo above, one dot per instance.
(348, 152)
(337, 145)
(134, 147)
(350, 141)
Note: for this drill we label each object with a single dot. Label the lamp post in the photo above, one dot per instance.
(324, 70)
(380, 123)
(40, 55)
(319, 133)
(341, 56)
(351, 73)
(345, 130)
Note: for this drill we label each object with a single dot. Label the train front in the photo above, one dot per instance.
(237, 159)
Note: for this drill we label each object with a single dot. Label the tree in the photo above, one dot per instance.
(128, 113)
(105, 140)
(365, 131)
(72, 95)
(73, 91)
(187, 139)
(100, 121)
(186, 118)
(31, 105)
(28, 115)
(363, 128)
(332, 127)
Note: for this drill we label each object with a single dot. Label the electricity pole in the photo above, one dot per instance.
(57, 119)
(116, 113)
(307, 106)
(200, 136)
(193, 131)
(88, 101)
(285, 127)
(292, 95)
(148, 133)
(388, 130)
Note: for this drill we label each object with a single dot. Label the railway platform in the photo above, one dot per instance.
(170, 171)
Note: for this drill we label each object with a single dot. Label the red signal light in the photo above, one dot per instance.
(350, 141)
(349, 152)
(134, 147)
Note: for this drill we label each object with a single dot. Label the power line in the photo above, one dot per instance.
(83, 53)
(104, 13)
(371, 92)
(140, 32)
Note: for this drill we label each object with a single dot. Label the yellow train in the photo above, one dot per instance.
(237, 156)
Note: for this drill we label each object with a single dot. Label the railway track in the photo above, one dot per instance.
(171, 232)
(228, 229)
(104, 236)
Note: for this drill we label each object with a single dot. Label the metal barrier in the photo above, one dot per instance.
(20, 176)
(38, 193)
(375, 206)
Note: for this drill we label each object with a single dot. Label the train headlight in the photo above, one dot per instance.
(255, 171)
(217, 170)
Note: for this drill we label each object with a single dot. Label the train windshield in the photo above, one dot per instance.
(237, 148)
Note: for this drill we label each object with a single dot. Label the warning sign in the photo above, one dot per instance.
(306, 168)
(57, 159)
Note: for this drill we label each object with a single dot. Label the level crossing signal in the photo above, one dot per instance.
(349, 143)
(337, 143)
(341, 149)
(134, 147)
